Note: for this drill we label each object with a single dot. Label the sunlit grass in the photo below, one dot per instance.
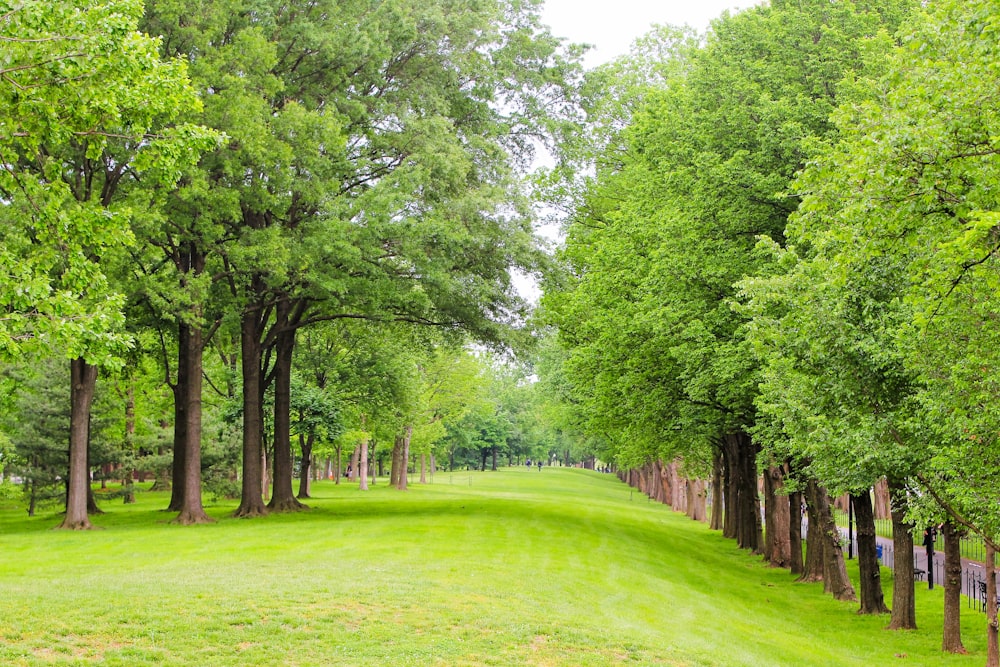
(517, 567)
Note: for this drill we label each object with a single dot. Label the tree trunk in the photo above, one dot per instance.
(883, 507)
(405, 459)
(730, 477)
(192, 511)
(835, 578)
(180, 391)
(904, 613)
(696, 500)
(992, 634)
(494, 468)
(282, 497)
(779, 548)
(363, 466)
(952, 636)
(814, 537)
(872, 599)
(795, 564)
(83, 381)
(128, 490)
(252, 492)
(423, 468)
(741, 455)
(396, 462)
(352, 464)
(717, 501)
(306, 446)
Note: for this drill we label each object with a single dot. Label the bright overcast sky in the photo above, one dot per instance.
(612, 25)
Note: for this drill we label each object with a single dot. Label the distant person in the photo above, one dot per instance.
(528, 462)
(539, 466)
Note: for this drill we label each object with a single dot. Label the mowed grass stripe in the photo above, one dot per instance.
(515, 567)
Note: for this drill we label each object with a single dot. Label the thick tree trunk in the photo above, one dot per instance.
(814, 537)
(717, 500)
(405, 459)
(741, 455)
(883, 506)
(835, 578)
(192, 511)
(678, 488)
(992, 627)
(423, 468)
(252, 492)
(795, 565)
(904, 613)
(180, 391)
(730, 480)
(396, 462)
(872, 599)
(83, 382)
(282, 497)
(306, 446)
(952, 636)
(696, 500)
(352, 465)
(779, 548)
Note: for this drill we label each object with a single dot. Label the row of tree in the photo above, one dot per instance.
(365, 398)
(242, 181)
(783, 260)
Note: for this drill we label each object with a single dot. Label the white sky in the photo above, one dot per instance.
(612, 25)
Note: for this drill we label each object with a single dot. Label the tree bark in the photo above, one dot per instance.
(252, 492)
(282, 497)
(883, 506)
(363, 466)
(744, 504)
(778, 545)
(83, 382)
(872, 598)
(717, 500)
(180, 392)
(795, 564)
(904, 613)
(352, 466)
(192, 511)
(306, 447)
(404, 458)
(129, 491)
(835, 578)
(814, 537)
(952, 636)
(423, 468)
(396, 462)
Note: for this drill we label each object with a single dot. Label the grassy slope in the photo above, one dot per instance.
(518, 567)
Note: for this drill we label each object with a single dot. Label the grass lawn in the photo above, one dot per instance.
(517, 567)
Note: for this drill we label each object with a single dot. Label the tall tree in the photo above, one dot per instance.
(372, 161)
(98, 110)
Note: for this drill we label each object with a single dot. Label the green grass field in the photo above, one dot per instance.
(517, 567)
